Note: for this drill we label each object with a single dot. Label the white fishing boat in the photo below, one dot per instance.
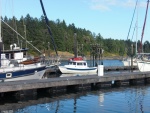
(15, 66)
(13, 63)
(77, 65)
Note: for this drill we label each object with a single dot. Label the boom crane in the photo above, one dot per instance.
(144, 26)
(48, 27)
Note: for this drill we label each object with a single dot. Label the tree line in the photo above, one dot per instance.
(35, 31)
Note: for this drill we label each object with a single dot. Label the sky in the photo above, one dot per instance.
(110, 18)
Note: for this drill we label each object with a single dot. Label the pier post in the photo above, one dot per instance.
(100, 70)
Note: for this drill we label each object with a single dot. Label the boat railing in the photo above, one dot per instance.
(52, 60)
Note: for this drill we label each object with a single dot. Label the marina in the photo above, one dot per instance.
(92, 77)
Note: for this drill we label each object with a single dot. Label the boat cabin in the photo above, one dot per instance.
(78, 63)
(14, 54)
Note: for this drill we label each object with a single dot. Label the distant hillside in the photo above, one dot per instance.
(64, 36)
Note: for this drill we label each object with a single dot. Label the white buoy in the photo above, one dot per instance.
(100, 70)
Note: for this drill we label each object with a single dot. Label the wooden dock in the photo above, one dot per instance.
(117, 68)
(92, 80)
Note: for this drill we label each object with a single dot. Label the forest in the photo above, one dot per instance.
(34, 30)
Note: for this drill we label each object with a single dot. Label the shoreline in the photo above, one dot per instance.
(87, 58)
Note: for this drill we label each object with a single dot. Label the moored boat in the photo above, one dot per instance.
(77, 65)
(143, 66)
(11, 66)
(12, 70)
(129, 62)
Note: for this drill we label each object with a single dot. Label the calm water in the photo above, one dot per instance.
(128, 99)
(113, 100)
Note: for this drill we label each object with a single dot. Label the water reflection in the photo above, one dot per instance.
(136, 98)
(127, 99)
(101, 99)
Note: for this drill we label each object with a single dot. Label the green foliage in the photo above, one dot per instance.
(36, 31)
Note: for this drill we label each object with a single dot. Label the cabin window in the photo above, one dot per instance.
(7, 56)
(84, 64)
(79, 64)
(70, 63)
(74, 63)
(12, 56)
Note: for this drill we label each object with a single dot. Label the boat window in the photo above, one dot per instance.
(70, 63)
(7, 56)
(8, 75)
(74, 63)
(85, 64)
(12, 56)
(79, 63)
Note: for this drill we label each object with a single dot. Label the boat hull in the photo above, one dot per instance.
(128, 63)
(143, 66)
(88, 70)
(22, 74)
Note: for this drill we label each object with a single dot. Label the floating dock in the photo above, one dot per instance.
(91, 80)
(117, 68)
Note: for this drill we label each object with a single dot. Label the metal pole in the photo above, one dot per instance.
(131, 57)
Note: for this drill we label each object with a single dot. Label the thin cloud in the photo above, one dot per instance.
(103, 5)
(100, 7)
(106, 5)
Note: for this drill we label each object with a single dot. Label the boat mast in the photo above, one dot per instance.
(48, 27)
(144, 26)
(136, 32)
(1, 44)
(75, 45)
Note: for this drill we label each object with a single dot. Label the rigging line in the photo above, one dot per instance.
(133, 32)
(14, 21)
(132, 20)
(20, 36)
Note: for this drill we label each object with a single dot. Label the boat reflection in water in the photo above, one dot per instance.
(127, 99)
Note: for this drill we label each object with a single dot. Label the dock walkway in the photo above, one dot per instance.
(70, 81)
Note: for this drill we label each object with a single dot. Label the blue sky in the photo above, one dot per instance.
(110, 18)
